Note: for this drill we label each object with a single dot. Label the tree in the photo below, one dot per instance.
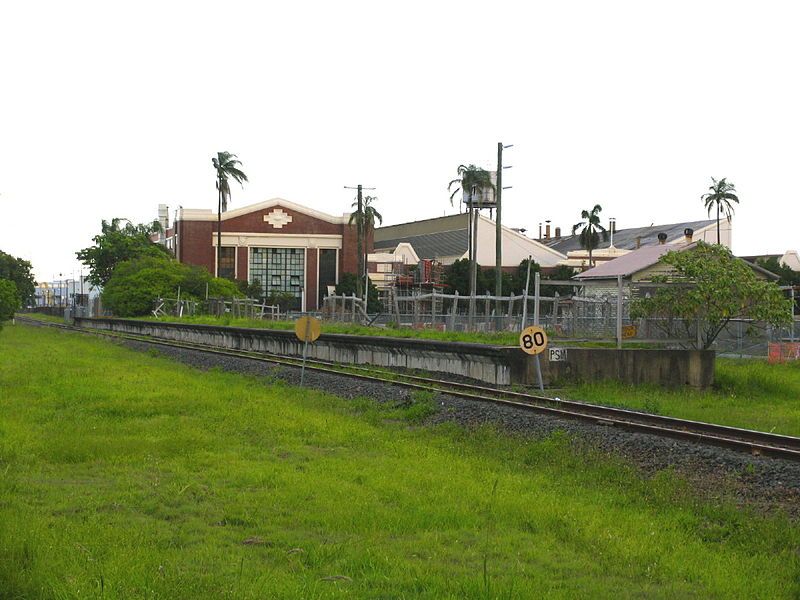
(365, 221)
(472, 181)
(347, 287)
(712, 287)
(136, 284)
(115, 244)
(9, 300)
(225, 164)
(19, 272)
(591, 230)
(720, 194)
(457, 277)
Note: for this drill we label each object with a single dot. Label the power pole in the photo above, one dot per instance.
(360, 231)
(498, 251)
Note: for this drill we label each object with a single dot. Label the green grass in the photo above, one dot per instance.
(503, 338)
(125, 475)
(748, 393)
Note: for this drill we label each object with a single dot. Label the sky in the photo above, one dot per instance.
(108, 109)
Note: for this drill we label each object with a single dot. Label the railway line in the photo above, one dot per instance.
(742, 440)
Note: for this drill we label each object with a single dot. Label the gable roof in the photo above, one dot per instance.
(206, 214)
(449, 236)
(630, 263)
(638, 260)
(626, 238)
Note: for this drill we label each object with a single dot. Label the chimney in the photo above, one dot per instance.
(638, 242)
(558, 232)
(540, 231)
(547, 230)
(163, 220)
(687, 235)
(662, 238)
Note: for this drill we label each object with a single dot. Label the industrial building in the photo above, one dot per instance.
(286, 247)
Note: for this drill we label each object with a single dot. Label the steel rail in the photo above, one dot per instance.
(752, 441)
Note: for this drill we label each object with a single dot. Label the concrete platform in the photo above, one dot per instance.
(495, 365)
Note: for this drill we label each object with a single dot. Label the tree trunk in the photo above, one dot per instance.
(219, 231)
(717, 223)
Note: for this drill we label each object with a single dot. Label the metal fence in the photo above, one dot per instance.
(570, 311)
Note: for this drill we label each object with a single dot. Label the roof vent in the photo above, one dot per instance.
(662, 238)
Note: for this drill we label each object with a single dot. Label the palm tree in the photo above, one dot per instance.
(367, 223)
(471, 182)
(721, 194)
(227, 166)
(591, 229)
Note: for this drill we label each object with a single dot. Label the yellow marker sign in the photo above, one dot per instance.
(307, 329)
(628, 331)
(533, 340)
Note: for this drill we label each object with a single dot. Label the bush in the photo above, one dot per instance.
(9, 300)
(135, 284)
(347, 286)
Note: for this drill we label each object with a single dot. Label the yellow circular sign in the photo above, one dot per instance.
(307, 329)
(533, 340)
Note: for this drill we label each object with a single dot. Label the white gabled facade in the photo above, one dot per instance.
(516, 247)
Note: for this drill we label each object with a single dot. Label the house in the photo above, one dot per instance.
(641, 266)
(622, 241)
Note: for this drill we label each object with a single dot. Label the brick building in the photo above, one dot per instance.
(282, 245)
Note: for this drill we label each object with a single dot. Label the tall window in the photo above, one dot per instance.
(227, 262)
(327, 272)
(279, 271)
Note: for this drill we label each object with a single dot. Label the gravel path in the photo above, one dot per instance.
(768, 484)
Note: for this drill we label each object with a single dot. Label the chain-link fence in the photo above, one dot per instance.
(569, 311)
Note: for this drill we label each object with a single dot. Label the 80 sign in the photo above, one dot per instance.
(533, 340)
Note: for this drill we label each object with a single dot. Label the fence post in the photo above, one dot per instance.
(487, 306)
(433, 308)
(510, 312)
(619, 311)
(537, 279)
(471, 311)
(454, 312)
(396, 306)
(416, 310)
(353, 317)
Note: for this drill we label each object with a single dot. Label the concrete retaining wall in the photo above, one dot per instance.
(496, 365)
(492, 364)
(667, 368)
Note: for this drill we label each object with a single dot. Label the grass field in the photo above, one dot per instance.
(748, 393)
(125, 475)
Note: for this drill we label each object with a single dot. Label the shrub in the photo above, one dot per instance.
(9, 300)
(135, 284)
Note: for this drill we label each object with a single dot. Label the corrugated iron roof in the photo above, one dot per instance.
(626, 238)
(431, 245)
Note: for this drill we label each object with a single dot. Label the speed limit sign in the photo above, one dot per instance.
(533, 340)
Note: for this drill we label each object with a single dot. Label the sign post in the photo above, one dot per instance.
(307, 329)
(533, 340)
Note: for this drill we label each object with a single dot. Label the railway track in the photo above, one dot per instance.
(744, 440)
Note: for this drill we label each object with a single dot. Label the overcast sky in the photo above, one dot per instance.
(110, 108)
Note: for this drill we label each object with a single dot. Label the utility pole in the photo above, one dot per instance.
(498, 251)
(360, 231)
